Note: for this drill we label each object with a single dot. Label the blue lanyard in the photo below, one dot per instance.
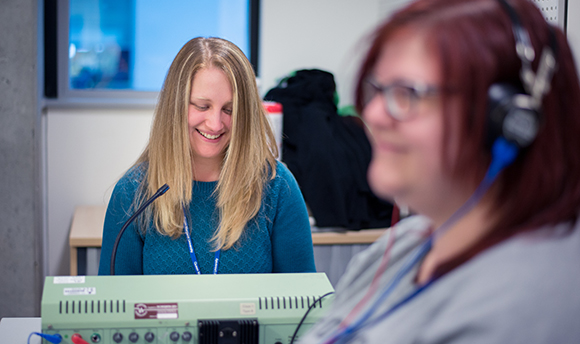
(216, 261)
(343, 334)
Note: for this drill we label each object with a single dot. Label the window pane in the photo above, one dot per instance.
(130, 44)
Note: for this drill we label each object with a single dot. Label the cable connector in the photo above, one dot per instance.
(503, 153)
(78, 339)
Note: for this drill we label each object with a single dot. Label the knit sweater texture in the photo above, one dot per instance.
(278, 239)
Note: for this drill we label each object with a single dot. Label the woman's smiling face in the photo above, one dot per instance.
(210, 116)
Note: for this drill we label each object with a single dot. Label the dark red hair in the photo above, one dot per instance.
(474, 42)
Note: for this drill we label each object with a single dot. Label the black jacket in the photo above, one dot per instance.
(328, 154)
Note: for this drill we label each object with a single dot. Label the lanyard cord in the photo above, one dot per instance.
(419, 253)
(375, 282)
(503, 154)
(192, 251)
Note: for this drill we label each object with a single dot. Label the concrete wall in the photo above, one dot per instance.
(21, 224)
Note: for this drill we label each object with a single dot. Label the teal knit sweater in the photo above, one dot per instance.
(278, 239)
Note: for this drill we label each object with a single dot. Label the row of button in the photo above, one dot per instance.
(149, 337)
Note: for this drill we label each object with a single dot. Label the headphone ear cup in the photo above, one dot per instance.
(512, 114)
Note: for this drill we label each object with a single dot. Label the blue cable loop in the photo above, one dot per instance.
(53, 338)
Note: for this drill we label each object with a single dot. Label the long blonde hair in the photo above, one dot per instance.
(250, 158)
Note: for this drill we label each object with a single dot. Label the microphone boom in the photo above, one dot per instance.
(159, 192)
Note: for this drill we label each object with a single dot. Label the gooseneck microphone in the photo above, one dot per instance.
(159, 192)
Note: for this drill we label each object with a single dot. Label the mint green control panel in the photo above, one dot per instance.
(183, 309)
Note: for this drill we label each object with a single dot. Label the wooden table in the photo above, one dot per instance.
(367, 236)
(86, 231)
(88, 220)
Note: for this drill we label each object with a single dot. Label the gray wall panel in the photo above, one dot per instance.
(20, 168)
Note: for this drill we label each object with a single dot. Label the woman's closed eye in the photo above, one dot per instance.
(200, 107)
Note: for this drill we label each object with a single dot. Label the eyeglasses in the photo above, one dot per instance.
(400, 97)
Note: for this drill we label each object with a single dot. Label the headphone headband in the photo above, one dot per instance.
(515, 113)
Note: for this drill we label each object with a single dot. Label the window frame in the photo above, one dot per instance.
(56, 71)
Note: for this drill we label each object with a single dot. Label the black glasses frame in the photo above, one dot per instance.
(400, 97)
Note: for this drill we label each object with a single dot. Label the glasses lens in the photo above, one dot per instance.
(400, 100)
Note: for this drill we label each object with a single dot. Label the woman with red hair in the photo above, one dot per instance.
(473, 113)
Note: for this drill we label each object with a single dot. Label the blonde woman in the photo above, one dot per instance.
(231, 207)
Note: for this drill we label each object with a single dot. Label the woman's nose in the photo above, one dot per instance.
(214, 120)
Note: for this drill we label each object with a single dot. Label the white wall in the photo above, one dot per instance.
(88, 150)
(323, 34)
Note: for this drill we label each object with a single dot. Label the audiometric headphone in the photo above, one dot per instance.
(514, 111)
